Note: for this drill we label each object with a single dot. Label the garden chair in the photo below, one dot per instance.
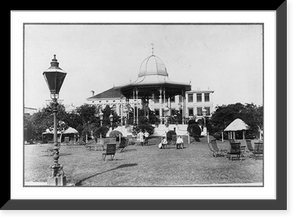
(235, 151)
(110, 150)
(130, 140)
(216, 150)
(258, 150)
(49, 151)
(250, 148)
(123, 144)
(112, 140)
(211, 149)
(174, 139)
(92, 146)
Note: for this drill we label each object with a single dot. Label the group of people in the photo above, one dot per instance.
(143, 137)
(164, 142)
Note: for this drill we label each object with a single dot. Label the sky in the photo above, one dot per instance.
(227, 59)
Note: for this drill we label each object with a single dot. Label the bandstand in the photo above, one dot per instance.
(153, 84)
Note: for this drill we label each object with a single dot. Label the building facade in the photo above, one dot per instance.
(154, 89)
(196, 101)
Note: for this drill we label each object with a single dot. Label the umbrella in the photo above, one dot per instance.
(70, 130)
(237, 125)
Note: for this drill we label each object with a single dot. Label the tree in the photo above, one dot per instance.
(43, 119)
(107, 111)
(194, 131)
(251, 114)
(89, 122)
(144, 125)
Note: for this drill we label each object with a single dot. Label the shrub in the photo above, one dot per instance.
(170, 134)
(102, 130)
(217, 135)
(143, 125)
(195, 131)
(115, 134)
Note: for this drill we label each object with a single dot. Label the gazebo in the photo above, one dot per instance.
(153, 83)
(69, 134)
(236, 125)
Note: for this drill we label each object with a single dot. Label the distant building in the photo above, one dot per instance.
(154, 89)
(196, 100)
(113, 98)
(29, 111)
(70, 108)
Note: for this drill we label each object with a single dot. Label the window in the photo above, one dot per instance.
(199, 97)
(206, 97)
(190, 97)
(207, 110)
(191, 112)
(173, 112)
(180, 98)
(156, 99)
(172, 99)
(199, 111)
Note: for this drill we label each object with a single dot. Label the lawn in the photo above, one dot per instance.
(143, 166)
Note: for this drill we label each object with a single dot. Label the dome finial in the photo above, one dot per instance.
(152, 48)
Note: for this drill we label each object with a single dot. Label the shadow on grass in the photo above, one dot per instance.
(128, 150)
(60, 154)
(79, 183)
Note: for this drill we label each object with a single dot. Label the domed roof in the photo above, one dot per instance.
(153, 65)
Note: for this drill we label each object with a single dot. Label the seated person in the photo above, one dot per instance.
(164, 142)
(146, 135)
(179, 142)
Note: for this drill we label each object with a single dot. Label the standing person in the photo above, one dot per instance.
(141, 137)
(146, 137)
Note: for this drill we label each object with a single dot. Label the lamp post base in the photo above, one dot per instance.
(57, 181)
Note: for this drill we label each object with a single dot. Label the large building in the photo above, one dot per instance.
(154, 89)
(196, 101)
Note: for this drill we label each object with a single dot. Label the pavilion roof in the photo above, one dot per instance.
(108, 94)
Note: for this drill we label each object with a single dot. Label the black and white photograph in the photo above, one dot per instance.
(143, 105)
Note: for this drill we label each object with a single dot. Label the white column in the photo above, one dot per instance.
(160, 105)
(137, 108)
(133, 97)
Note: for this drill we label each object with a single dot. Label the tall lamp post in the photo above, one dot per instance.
(204, 115)
(101, 118)
(54, 77)
(125, 110)
(111, 118)
(204, 112)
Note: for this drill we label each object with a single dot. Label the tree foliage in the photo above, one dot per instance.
(84, 119)
(251, 114)
(194, 131)
(144, 125)
(43, 119)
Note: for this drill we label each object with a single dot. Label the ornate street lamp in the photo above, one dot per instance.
(101, 118)
(54, 77)
(204, 117)
(125, 110)
(111, 117)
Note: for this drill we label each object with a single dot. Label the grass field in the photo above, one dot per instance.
(143, 166)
